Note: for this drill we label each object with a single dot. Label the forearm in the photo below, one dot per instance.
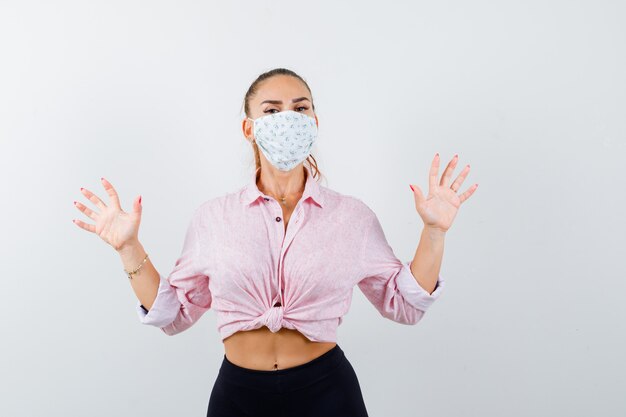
(426, 263)
(145, 282)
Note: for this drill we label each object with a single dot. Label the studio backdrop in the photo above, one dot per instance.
(149, 95)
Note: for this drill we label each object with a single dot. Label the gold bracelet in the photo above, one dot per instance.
(130, 274)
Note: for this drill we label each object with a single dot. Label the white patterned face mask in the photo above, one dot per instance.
(285, 138)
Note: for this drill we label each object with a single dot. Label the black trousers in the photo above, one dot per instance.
(326, 386)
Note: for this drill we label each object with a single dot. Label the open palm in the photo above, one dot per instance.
(115, 226)
(439, 208)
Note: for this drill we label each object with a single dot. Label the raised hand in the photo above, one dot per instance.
(438, 209)
(113, 225)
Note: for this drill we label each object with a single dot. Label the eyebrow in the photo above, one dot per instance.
(295, 100)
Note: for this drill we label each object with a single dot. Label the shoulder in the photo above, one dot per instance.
(215, 202)
(347, 203)
(213, 206)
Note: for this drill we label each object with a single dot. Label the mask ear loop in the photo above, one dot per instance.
(256, 172)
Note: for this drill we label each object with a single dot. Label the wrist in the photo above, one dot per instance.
(434, 232)
(131, 253)
(129, 246)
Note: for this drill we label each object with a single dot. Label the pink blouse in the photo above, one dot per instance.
(238, 260)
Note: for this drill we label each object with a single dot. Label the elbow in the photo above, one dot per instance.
(415, 317)
(175, 327)
(168, 330)
(408, 315)
(179, 325)
(186, 317)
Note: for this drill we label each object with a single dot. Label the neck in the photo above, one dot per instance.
(279, 184)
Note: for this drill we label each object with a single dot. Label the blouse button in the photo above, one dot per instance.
(277, 219)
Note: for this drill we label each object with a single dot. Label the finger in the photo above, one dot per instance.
(88, 212)
(137, 207)
(83, 225)
(468, 193)
(447, 173)
(93, 198)
(456, 185)
(115, 200)
(432, 174)
(417, 193)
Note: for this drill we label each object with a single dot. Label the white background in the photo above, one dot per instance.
(149, 95)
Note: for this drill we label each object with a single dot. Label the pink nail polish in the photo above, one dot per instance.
(412, 187)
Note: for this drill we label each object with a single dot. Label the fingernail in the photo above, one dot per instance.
(81, 188)
(139, 199)
(410, 185)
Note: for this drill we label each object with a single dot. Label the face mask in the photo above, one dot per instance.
(285, 138)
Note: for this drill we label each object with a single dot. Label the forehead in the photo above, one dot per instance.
(280, 87)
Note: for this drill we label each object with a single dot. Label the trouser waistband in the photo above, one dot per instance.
(276, 380)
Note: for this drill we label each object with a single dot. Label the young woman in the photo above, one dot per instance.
(278, 259)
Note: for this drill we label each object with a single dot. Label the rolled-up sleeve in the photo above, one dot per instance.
(388, 283)
(184, 296)
(165, 307)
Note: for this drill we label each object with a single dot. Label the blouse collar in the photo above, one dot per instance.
(251, 192)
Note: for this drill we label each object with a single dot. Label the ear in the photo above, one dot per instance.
(317, 121)
(246, 127)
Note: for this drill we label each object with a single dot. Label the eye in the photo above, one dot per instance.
(304, 108)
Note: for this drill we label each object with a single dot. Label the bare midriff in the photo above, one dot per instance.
(261, 349)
